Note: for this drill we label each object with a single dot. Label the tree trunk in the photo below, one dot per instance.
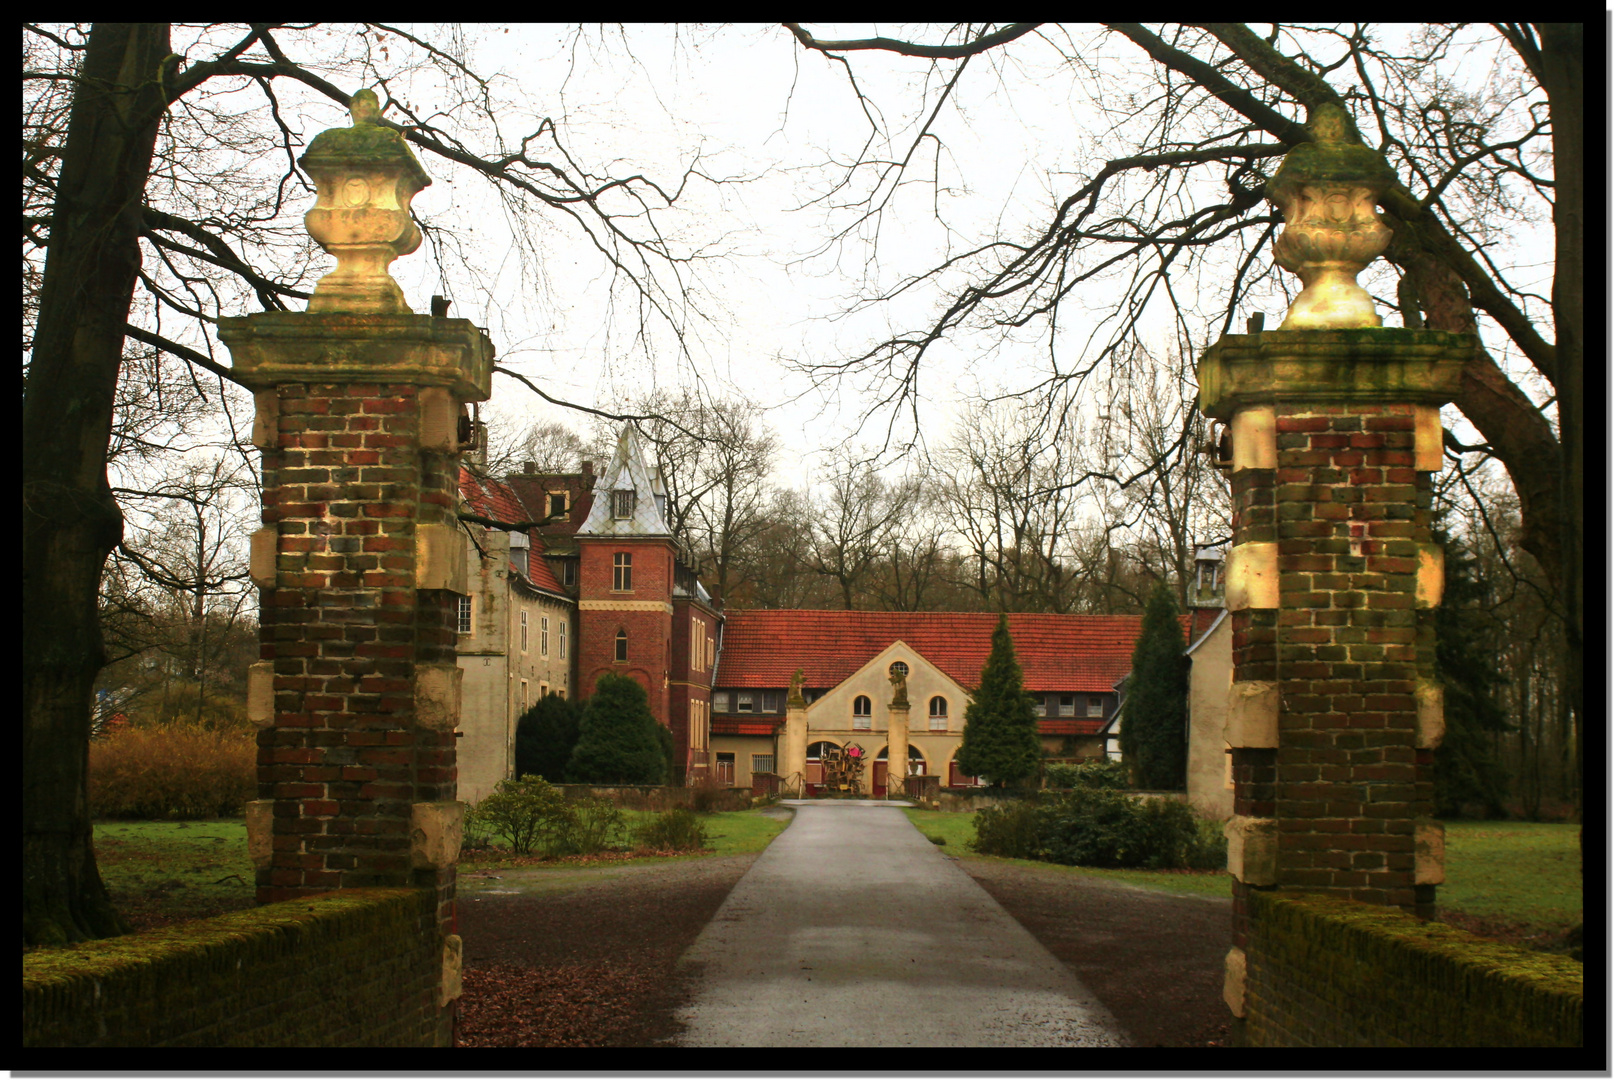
(70, 519)
(1563, 76)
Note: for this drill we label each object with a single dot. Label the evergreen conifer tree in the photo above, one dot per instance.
(1000, 742)
(545, 736)
(616, 738)
(1154, 727)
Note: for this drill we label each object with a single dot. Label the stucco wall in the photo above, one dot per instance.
(495, 665)
(1210, 677)
(831, 715)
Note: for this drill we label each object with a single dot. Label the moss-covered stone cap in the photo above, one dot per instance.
(1335, 155)
(100, 959)
(1549, 971)
(1366, 365)
(367, 142)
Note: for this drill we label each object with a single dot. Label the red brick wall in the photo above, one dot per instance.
(345, 627)
(649, 632)
(1346, 783)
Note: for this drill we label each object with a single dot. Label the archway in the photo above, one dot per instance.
(877, 783)
(814, 779)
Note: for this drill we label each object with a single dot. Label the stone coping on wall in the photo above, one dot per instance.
(164, 987)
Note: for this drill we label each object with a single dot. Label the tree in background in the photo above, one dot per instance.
(545, 737)
(1154, 729)
(1467, 771)
(616, 737)
(1000, 742)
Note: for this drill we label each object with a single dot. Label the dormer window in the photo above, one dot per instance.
(557, 505)
(622, 503)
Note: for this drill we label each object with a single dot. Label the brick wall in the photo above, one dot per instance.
(1330, 972)
(355, 968)
(345, 484)
(1346, 646)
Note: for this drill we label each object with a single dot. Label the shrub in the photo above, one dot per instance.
(1209, 848)
(588, 826)
(545, 737)
(172, 771)
(1098, 827)
(617, 741)
(523, 812)
(1113, 775)
(675, 830)
(1010, 829)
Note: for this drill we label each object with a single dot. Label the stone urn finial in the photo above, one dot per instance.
(365, 176)
(1327, 189)
(796, 700)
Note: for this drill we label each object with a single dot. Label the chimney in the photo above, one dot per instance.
(588, 475)
(529, 467)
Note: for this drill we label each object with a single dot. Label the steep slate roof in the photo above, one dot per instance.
(489, 498)
(627, 471)
(1071, 653)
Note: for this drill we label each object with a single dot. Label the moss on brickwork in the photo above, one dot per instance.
(357, 967)
(1330, 972)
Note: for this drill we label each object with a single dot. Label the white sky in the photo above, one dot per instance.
(1024, 129)
(757, 107)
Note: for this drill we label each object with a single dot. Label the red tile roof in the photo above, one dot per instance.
(1072, 653)
(491, 499)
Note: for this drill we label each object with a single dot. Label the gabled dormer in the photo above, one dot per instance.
(630, 499)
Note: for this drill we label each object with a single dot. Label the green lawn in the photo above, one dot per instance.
(1514, 871)
(192, 869)
(185, 869)
(1518, 871)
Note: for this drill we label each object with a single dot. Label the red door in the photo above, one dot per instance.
(725, 770)
(877, 788)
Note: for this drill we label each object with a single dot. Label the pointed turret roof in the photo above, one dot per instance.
(628, 472)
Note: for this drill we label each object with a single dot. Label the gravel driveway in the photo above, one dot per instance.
(590, 957)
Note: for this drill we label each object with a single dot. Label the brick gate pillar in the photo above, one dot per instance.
(360, 419)
(1334, 711)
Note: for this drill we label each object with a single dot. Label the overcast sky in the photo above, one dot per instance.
(777, 125)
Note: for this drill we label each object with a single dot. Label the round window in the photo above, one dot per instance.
(899, 668)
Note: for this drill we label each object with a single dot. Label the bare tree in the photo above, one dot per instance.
(162, 158)
(1483, 126)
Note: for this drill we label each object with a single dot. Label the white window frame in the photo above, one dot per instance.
(543, 635)
(622, 504)
(938, 720)
(1095, 705)
(1064, 709)
(862, 721)
(464, 615)
(720, 701)
(563, 625)
(761, 763)
(523, 631)
(745, 701)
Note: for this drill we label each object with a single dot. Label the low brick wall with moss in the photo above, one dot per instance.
(1329, 972)
(360, 967)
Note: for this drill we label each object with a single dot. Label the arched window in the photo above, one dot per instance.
(938, 714)
(862, 711)
(815, 752)
(621, 644)
(899, 668)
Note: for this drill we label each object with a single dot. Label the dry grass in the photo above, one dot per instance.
(172, 772)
